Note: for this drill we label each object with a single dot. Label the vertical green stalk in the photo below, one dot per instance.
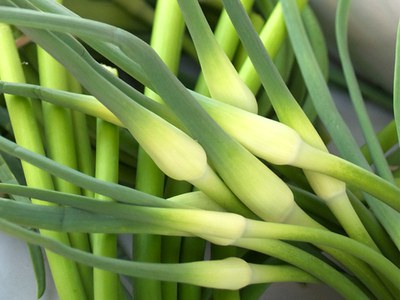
(272, 37)
(61, 147)
(26, 131)
(223, 81)
(166, 40)
(171, 245)
(226, 36)
(106, 284)
(290, 113)
(191, 248)
(82, 140)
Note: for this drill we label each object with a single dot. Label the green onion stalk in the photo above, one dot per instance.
(166, 39)
(128, 213)
(26, 131)
(254, 229)
(338, 130)
(223, 149)
(106, 284)
(61, 147)
(290, 113)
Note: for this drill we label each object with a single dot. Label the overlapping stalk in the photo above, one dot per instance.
(26, 131)
(228, 153)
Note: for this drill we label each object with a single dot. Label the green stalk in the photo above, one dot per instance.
(263, 63)
(178, 97)
(118, 192)
(370, 92)
(220, 252)
(392, 219)
(241, 55)
(387, 139)
(82, 141)
(168, 88)
(214, 274)
(234, 122)
(329, 114)
(192, 248)
(290, 113)
(307, 262)
(171, 246)
(61, 147)
(191, 168)
(214, 225)
(223, 82)
(166, 40)
(106, 284)
(272, 37)
(227, 39)
(379, 160)
(26, 131)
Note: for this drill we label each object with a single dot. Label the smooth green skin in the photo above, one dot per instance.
(327, 110)
(226, 36)
(392, 220)
(216, 274)
(26, 131)
(223, 81)
(301, 259)
(354, 175)
(290, 113)
(272, 36)
(123, 107)
(226, 155)
(167, 29)
(61, 147)
(264, 63)
(81, 133)
(106, 284)
(212, 225)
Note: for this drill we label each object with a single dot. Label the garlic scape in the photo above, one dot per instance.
(222, 80)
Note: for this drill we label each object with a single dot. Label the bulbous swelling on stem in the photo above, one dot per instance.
(268, 139)
(174, 152)
(215, 188)
(231, 273)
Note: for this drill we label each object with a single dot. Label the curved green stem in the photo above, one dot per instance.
(326, 163)
(306, 262)
(215, 274)
(106, 284)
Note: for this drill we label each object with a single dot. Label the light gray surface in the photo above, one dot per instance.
(16, 275)
(372, 35)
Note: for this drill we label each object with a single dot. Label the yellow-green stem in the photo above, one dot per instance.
(26, 131)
